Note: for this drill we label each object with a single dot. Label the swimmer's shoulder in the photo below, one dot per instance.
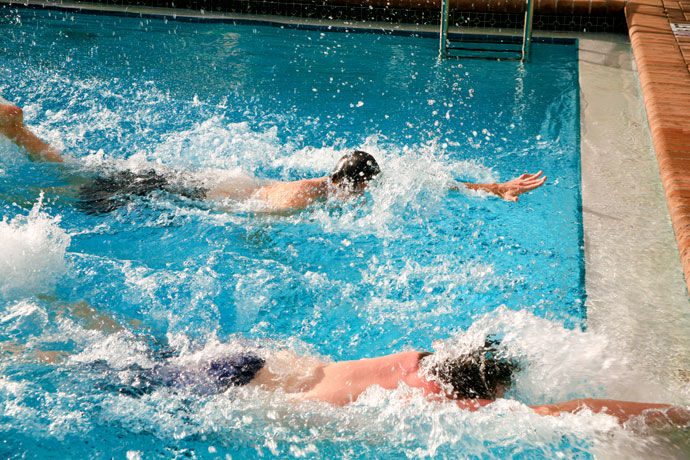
(292, 194)
(413, 375)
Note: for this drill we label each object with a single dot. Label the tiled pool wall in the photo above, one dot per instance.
(563, 15)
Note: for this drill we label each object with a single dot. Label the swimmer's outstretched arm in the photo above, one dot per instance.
(12, 126)
(510, 190)
(13, 350)
(92, 319)
(622, 410)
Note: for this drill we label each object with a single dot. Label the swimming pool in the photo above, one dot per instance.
(410, 266)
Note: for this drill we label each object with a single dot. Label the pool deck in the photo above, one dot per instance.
(636, 293)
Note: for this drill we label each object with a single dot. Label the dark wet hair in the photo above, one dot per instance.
(355, 169)
(475, 375)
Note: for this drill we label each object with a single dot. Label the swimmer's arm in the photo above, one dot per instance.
(19, 351)
(93, 318)
(37, 149)
(97, 320)
(286, 197)
(510, 190)
(622, 410)
(12, 126)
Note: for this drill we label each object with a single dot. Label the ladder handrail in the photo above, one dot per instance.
(445, 12)
(526, 32)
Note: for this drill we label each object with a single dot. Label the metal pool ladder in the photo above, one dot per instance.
(446, 51)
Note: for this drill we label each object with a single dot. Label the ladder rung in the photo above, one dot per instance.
(486, 58)
(482, 49)
(507, 41)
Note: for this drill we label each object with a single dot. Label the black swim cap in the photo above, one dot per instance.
(355, 169)
(475, 375)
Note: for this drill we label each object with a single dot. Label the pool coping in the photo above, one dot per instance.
(633, 276)
(663, 58)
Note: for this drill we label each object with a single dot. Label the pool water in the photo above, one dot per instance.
(410, 265)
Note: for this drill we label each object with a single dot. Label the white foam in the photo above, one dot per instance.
(412, 188)
(32, 252)
(559, 364)
(25, 316)
(396, 421)
(118, 350)
(213, 143)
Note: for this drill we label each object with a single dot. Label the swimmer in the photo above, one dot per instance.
(350, 176)
(471, 380)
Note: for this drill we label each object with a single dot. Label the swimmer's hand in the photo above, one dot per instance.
(510, 190)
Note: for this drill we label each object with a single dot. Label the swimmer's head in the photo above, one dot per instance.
(481, 374)
(354, 171)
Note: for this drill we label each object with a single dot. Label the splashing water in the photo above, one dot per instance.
(32, 253)
(408, 266)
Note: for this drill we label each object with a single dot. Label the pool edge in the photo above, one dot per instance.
(636, 291)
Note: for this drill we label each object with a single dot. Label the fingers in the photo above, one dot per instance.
(528, 176)
(533, 179)
(531, 185)
(522, 184)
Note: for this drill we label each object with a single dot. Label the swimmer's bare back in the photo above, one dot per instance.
(278, 196)
(342, 382)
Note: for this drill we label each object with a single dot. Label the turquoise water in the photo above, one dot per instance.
(410, 265)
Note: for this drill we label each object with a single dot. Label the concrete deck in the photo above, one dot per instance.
(636, 292)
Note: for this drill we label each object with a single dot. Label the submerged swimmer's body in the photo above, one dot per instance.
(350, 176)
(470, 380)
